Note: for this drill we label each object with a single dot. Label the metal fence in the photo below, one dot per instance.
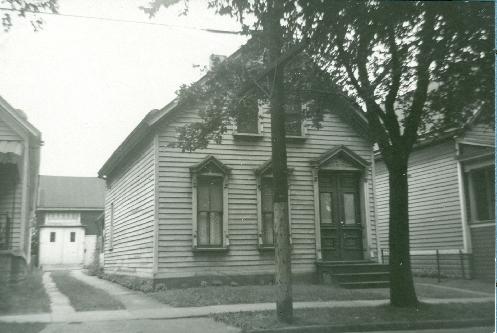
(439, 263)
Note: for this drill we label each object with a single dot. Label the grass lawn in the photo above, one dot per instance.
(82, 296)
(21, 328)
(301, 292)
(359, 315)
(27, 296)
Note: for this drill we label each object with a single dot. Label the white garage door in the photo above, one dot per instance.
(62, 246)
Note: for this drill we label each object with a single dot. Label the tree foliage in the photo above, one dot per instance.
(415, 67)
(27, 10)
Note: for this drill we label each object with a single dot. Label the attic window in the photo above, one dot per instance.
(294, 125)
(248, 122)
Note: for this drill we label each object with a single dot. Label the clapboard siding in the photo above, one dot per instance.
(434, 203)
(176, 257)
(7, 133)
(132, 193)
(481, 134)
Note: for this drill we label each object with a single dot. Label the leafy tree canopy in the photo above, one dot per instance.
(415, 67)
(27, 10)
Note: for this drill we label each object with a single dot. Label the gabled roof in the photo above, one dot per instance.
(352, 115)
(19, 118)
(71, 193)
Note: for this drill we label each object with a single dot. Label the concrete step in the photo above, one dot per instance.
(361, 277)
(355, 274)
(365, 284)
(338, 268)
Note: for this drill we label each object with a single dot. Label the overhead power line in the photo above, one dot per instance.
(118, 20)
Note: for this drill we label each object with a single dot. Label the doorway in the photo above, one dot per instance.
(340, 216)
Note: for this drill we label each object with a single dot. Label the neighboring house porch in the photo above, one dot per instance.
(19, 164)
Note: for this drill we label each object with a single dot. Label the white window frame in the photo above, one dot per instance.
(222, 172)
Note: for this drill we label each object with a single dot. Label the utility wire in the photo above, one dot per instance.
(110, 19)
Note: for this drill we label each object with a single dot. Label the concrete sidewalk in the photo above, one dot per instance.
(184, 325)
(187, 312)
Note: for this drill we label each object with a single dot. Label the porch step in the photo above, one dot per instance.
(362, 277)
(355, 274)
(364, 285)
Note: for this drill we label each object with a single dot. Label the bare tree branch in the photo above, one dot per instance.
(424, 59)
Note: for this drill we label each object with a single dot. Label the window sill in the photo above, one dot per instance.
(296, 138)
(210, 249)
(248, 136)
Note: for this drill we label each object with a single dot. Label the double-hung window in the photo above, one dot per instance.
(209, 211)
(210, 205)
(265, 217)
(267, 227)
(294, 126)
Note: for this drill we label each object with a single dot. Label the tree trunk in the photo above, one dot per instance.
(283, 270)
(402, 292)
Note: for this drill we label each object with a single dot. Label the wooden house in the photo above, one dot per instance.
(67, 213)
(19, 164)
(173, 215)
(451, 203)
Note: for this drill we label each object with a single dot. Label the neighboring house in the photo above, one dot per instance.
(451, 203)
(67, 212)
(19, 165)
(172, 215)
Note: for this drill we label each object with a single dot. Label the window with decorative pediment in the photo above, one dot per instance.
(210, 205)
(265, 220)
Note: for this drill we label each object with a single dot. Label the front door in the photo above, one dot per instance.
(340, 220)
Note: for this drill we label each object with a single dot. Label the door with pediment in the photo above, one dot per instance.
(340, 220)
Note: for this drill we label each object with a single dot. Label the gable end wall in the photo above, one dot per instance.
(176, 258)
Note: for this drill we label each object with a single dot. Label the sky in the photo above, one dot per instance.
(86, 83)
